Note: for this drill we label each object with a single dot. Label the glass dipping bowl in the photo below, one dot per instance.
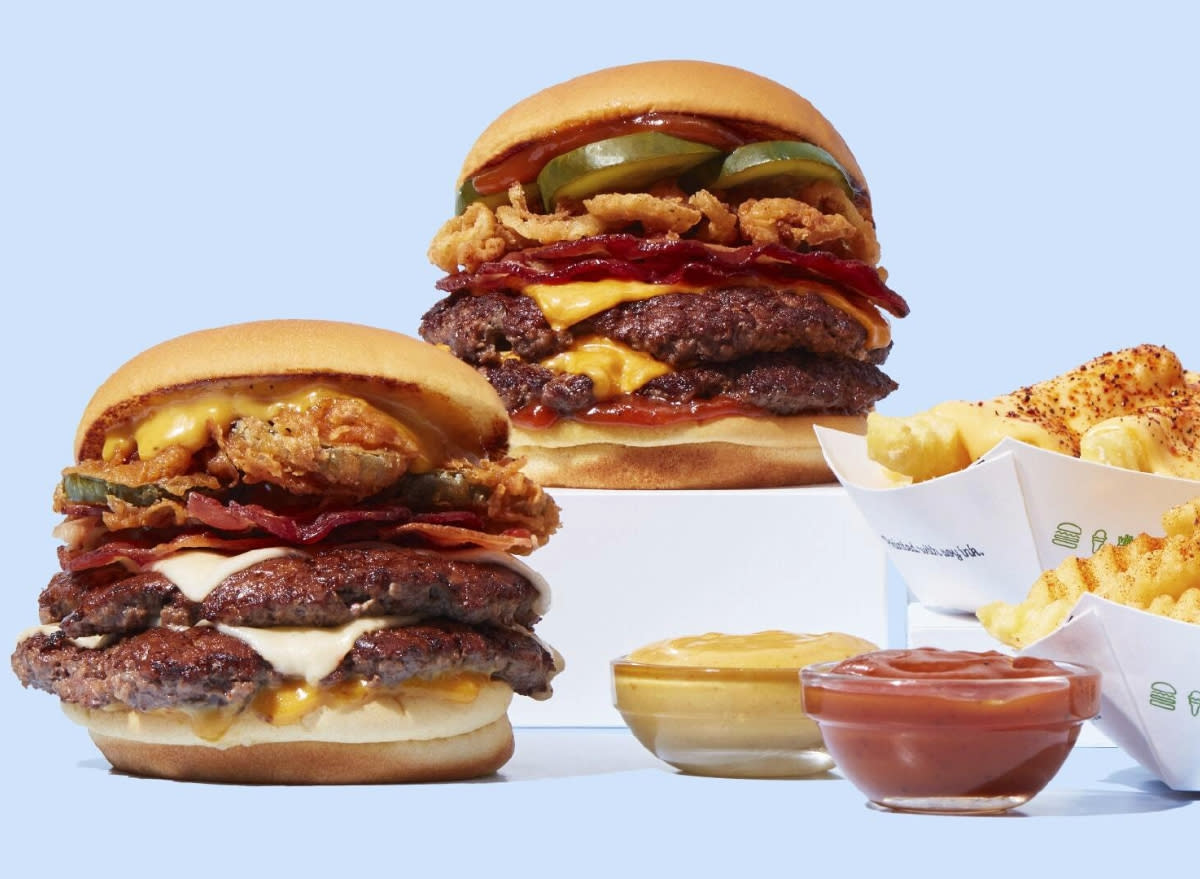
(950, 741)
(727, 705)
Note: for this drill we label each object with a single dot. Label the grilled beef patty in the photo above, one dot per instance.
(201, 667)
(680, 329)
(790, 383)
(328, 588)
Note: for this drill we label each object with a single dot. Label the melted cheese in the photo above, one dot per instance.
(614, 368)
(198, 572)
(308, 653)
(565, 305)
(187, 422)
(291, 703)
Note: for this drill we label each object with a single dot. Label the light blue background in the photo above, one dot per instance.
(168, 166)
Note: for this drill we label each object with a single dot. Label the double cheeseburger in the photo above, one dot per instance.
(288, 557)
(669, 271)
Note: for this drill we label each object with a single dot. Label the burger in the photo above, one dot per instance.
(289, 555)
(669, 272)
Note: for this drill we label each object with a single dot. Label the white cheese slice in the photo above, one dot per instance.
(197, 572)
(308, 653)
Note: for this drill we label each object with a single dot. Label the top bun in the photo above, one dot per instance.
(407, 372)
(700, 88)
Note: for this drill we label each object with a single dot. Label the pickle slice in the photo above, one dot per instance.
(468, 194)
(619, 164)
(788, 162)
(82, 489)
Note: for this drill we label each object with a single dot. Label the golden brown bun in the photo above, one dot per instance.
(407, 372)
(469, 755)
(697, 87)
(734, 452)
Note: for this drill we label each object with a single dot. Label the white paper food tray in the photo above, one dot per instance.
(986, 533)
(631, 567)
(1150, 684)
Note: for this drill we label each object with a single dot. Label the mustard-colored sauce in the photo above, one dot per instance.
(728, 705)
(769, 649)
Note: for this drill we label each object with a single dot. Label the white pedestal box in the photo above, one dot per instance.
(631, 567)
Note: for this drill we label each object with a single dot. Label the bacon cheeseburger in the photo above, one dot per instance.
(669, 271)
(287, 558)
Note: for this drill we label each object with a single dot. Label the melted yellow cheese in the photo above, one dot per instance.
(565, 305)
(291, 702)
(613, 368)
(187, 422)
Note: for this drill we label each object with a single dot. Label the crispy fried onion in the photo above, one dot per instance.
(528, 226)
(513, 499)
(820, 216)
(469, 239)
(657, 215)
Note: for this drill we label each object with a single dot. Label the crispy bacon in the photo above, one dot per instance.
(443, 536)
(305, 530)
(681, 261)
(143, 554)
(391, 523)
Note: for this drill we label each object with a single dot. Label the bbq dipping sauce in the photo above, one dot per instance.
(728, 705)
(930, 730)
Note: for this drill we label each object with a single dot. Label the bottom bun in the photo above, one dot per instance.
(733, 452)
(467, 755)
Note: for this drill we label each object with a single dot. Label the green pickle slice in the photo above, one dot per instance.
(82, 489)
(619, 164)
(784, 161)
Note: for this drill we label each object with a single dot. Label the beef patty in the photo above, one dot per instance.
(327, 588)
(680, 329)
(789, 383)
(202, 667)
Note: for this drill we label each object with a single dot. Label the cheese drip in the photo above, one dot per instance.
(309, 654)
(613, 368)
(197, 572)
(565, 305)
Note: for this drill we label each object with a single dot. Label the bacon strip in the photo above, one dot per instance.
(626, 257)
(305, 530)
(395, 522)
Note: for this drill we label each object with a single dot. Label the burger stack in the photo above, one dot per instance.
(289, 555)
(670, 273)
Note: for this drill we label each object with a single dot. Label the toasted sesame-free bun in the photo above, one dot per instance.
(732, 452)
(700, 88)
(406, 373)
(468, 755)
(432, 739)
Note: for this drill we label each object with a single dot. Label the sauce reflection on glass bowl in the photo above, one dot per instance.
(930, 730)
(728, 705)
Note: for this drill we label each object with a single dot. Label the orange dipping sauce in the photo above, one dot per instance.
(949, 731)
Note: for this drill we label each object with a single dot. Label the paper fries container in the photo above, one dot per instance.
(1150, 684)
(986, 533)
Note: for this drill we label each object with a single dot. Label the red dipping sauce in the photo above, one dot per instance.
(935, 730)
